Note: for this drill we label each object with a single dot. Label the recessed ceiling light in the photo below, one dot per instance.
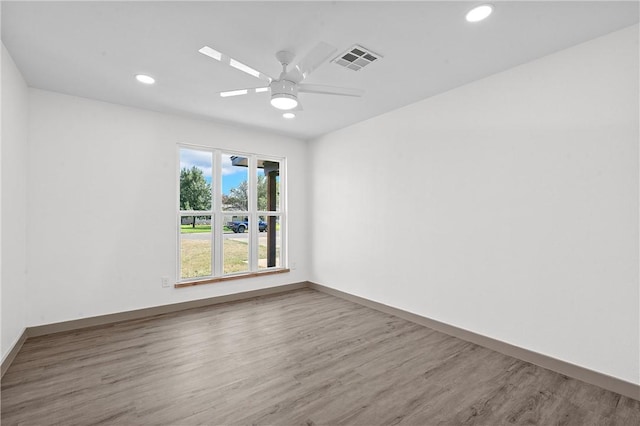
(479, 13)
(146, 79)
(289, 115)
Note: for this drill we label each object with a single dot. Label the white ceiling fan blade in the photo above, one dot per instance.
(329, 90)
(241, 92)
(226, 59)
(316, 57)
(234, 93)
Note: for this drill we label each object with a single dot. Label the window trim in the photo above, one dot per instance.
(217, 215)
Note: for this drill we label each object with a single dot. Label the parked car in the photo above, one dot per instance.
(241, 226)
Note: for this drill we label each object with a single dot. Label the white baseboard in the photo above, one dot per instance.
(41, 330)
(11, 355)
(602, 380)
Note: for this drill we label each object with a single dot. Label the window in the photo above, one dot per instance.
(231, 214)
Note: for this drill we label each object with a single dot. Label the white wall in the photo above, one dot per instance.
(508, 207)
(14, 203)
(102, 196)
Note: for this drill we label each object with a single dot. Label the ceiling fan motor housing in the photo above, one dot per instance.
(284, 87)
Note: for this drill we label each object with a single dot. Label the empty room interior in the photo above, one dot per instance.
(332, 212)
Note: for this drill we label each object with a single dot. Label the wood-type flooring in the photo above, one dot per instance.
(298, 358)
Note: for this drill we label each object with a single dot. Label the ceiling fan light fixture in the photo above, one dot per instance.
(479, 13)
(284, 101)
(284, 94)
(289, 115)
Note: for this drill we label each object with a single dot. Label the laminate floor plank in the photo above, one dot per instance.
(303, 357)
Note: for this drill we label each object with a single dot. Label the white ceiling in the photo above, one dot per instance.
(93, 49)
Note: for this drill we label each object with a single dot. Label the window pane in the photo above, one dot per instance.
(195, 246)
(268, 178)
(207, 173)
(235, 250)
(269, 240)
(195, 179)
(235, 173)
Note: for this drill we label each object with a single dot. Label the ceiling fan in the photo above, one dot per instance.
(284, 90)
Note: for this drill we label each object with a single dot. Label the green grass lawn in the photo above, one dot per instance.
(196, 257)
(188, 229)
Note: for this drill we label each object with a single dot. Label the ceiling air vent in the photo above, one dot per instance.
(356, 58)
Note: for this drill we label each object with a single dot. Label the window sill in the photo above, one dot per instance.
(231, 277)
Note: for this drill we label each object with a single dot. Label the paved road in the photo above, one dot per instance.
(240, 236)
(207, 235)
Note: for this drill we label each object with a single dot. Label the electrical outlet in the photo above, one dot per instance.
(294, 265)
(165, 281)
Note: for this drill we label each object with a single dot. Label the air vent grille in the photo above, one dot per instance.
(356, 58)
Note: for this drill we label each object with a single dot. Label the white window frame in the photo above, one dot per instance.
(217, 214)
